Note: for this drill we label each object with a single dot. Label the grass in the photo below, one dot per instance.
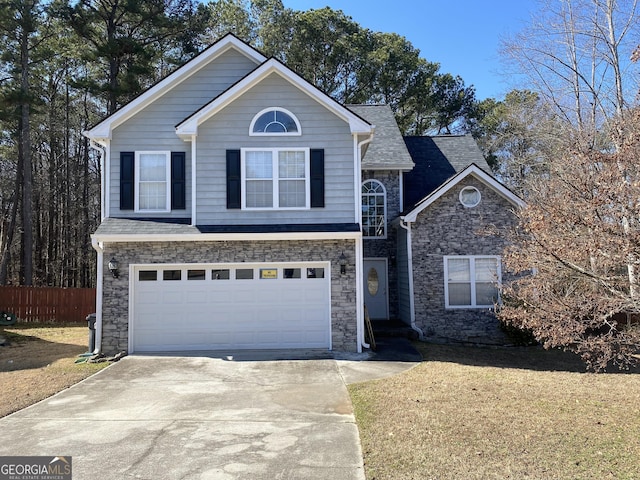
(39, 362)
(473, 413)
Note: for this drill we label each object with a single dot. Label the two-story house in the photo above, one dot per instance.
(243, 208)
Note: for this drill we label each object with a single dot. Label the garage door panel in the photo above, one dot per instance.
(214, 314)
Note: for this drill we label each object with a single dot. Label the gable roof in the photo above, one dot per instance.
(103, 129)
(189, 126)
(387, 150)
(437, 159)
(471, 170)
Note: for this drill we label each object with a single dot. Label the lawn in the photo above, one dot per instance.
(39, 362)
(477, 413)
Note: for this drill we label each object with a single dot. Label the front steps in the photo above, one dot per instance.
(392, 328)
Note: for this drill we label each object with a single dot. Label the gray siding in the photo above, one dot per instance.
(153, 128)
(447, 228)
(229, 129)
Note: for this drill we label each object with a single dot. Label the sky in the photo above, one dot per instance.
(463, 36)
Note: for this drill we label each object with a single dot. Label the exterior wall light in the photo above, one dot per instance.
(113, 267)
(342, 260)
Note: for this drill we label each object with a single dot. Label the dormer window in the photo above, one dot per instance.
(275, 121)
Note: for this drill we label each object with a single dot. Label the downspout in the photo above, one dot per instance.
(412, 308)
(102, 151)
(359, 245)
(193, 179)
(98, 246)
(401, 189)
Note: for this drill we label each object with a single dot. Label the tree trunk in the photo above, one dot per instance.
(25, 150)
(8, 239)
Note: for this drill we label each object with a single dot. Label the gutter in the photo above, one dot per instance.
(99, 248)
(412, 308)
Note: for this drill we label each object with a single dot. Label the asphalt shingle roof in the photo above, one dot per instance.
(127, 226)
(437, 159)
(387, 150)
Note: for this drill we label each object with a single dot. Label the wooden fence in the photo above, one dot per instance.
(48, 304)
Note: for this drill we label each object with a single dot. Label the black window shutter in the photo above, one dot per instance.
(178, 181)
(127, 169)
(317, 177)
(234, 181)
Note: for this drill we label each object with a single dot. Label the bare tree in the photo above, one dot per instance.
(576, 55)
(576, 240)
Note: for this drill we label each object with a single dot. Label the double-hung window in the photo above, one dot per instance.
(275, 178)
(153, 171)
(471, 281)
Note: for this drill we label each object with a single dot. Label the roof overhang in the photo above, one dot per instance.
(471, 170)
(103, 130)
(189, 127)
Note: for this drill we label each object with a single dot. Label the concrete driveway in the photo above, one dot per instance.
(159, 417)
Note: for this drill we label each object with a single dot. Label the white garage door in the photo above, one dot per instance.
(239, 306)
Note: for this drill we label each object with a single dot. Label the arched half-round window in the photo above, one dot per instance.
(374, 209)
(275, 121)
(470, 197)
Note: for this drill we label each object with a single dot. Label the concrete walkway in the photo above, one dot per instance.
(200, 417)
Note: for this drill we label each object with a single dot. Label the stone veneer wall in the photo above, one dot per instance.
(448, 228)
(115, 307)
(386, 248)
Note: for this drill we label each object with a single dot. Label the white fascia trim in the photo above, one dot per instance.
(479, 174)
(222, 237)
(190, 125)
(103, 129)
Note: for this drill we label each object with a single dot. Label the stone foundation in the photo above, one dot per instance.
(115, 306)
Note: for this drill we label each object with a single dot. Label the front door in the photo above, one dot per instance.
(376, 295)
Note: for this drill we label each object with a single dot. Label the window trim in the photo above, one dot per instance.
(279, 134)
(472, 281)
(384, 194)
(136, 180)
(275, 178)
(467, 188)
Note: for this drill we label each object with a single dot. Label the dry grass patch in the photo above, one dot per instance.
(39, 362)
(471, 413)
